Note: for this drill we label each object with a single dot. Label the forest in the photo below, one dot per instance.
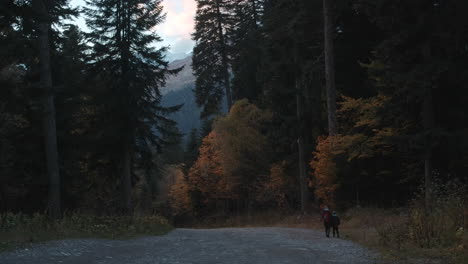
(344, 102)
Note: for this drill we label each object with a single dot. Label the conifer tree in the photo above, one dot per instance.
(131, 71)
(46, 13)
(211, 55)
(328, 22)
(246, 56)
(191, 151)
(206, 127)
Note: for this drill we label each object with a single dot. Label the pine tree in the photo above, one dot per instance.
(246, 37)
(329, 29)
(132, 71)
(44, 18)
(206, 127)
(416, 73)
(29, 31)
(211, 55)
(291, 73)
(191, 150)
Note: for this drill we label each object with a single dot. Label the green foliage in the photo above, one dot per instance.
(191, 150)
(246, 51)
(386, 136)
(211, 54)
(106, 94)
(131, 70)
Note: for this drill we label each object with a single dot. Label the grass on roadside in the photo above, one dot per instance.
(270, 218)
(402, 236)
(17, 230)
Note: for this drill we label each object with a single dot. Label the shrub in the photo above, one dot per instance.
(438, 227)
(394, 234)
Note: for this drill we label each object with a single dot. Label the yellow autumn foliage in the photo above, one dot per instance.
(179, 193)
(232, 157)
(324, 170)
(277, 186)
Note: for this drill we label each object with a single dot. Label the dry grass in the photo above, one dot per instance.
(388, 231)
(260, 219)
(392, 233)
(17, 230)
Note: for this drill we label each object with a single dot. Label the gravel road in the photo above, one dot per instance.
(227, 245)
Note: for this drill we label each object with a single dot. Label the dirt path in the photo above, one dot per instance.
(228, 245)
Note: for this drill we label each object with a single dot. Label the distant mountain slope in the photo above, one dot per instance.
(170, 56)
(179, 90)
(182, 79)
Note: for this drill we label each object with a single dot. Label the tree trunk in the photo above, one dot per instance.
(428, 120)
(49, 123)
(300, 145)
(224, 58)
(428, 124)
(330, 66)
(127, 178)
(127, 103)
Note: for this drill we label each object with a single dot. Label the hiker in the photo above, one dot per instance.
(335, 222)
(326, 218)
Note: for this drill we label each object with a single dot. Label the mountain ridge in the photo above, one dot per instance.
(179, 90)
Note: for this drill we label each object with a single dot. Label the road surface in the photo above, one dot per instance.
(200, 246)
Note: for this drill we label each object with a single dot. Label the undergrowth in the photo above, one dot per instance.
(439, 234)
(17, 230)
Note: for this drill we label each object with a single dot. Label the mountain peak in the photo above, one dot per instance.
(171, 57)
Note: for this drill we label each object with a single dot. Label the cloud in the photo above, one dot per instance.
(176, 30)
(179, 24)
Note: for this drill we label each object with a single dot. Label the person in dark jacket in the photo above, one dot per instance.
(326, 218)
(335, 222)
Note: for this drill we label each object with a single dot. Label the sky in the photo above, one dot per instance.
(175, 30)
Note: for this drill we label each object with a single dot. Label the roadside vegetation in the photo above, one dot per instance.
(411, 234)
(19, 230)
(406, 234)
(396, 240)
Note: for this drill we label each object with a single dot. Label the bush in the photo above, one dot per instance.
(394, 234)
(437, 233)
(439, 226)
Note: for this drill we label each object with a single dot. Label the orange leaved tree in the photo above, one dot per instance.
(324, 170)
(233, 159)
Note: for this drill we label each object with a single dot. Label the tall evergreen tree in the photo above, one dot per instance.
(28, 43)
(423, 52)
(211, 55)
(206, 127)
(191, 150)
(131, 71)
(46, 13)
(291, 74)
(329, 29)
(246, 39)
